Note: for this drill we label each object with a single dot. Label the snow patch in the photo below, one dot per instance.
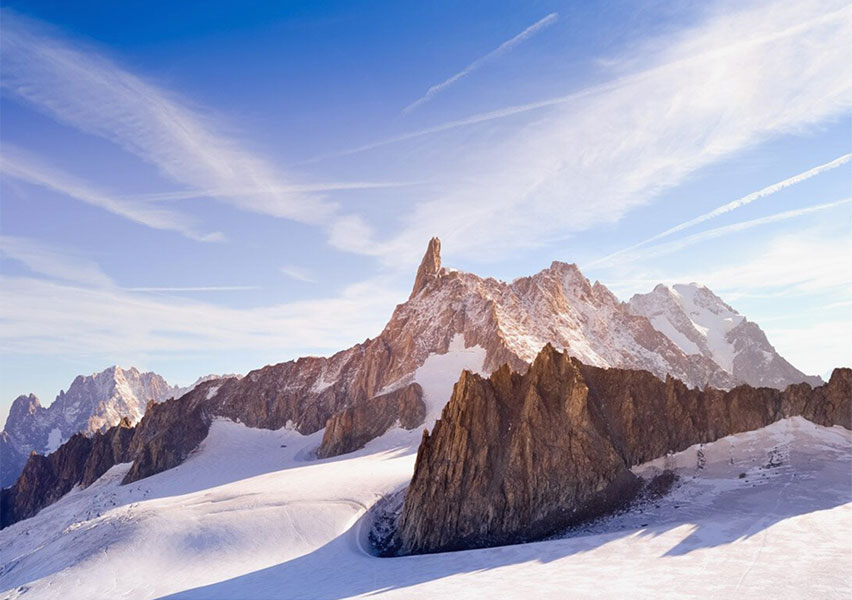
(54, 440)
(439, 373)
(713, 319)
(664, 326)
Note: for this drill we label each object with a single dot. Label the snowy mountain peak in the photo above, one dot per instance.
(702, 324)
(91, 403)
(22, 406)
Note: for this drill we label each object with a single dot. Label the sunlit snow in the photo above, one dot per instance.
(251, 515)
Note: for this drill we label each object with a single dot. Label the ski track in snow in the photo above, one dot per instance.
(251, 515)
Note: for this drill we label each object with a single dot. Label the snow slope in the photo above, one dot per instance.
(250, 515)
(432, 375)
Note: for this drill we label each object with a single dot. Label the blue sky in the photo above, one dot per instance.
(214, 186)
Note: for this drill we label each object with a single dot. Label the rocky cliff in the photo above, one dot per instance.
(353, 427)
(80, 460)
(516, 457)
(92, 403)
(358, 393)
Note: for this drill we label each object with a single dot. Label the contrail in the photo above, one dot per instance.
(679, 244)
(735, 204)
(499, 50)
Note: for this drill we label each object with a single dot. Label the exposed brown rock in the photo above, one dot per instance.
(511, 321)
(513, 457)
(108, 450)
(516, 457)
(80, 460)
(168, 433)
(353, 427)
(825, 405)
(430, 267)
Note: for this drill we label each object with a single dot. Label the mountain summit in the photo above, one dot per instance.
(700, 323)
(430, 267)
(453, 321)
(92, 403)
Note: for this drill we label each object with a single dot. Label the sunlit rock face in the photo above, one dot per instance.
(362, 392)
(518, 457)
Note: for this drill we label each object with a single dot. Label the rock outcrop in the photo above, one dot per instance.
(517, 457)
(352, 428)
(430, 267)
(169, 433)
(80, 461)
(513, 457)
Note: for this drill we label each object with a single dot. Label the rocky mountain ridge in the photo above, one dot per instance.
(92, 403)
(359, 393)
(517, 457)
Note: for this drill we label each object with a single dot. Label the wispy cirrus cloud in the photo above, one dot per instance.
(727, 84)
(196, 288)
(115, 322)
(53, 262)
(80, 87)
(730, 206)
(503, 48)
(297, 273)
(60, 265)
(677, 245)
(296, 188)
(24, 166)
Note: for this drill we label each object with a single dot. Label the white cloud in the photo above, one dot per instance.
(816, 261)
(715, 89)
(305, 187)
(503, 48)
(79, 311)
(54, 262)
(352, 234)
(25, 167)
(813, 261)
(297, 273)
(116, 322)
(195, 288)
(84, 89)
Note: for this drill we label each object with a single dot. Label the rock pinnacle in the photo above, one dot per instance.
(430, 266)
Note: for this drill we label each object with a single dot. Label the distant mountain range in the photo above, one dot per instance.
(358, 394)
(701, 324)
(92, 403)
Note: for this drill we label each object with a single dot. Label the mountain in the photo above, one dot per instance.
(452, 321)
(517, 457)
(250, 515)
(701, 324)
(92, 403)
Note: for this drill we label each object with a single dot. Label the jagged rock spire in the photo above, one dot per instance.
(430, 266)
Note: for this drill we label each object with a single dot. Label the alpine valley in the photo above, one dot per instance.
(663, 439)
